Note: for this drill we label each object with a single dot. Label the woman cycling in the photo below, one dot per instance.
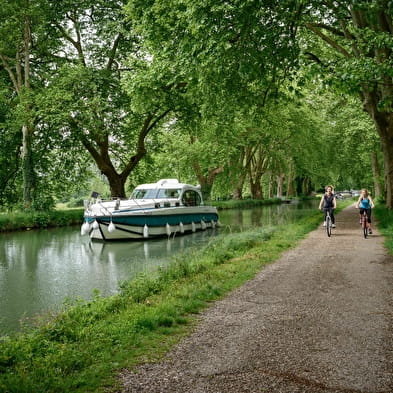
(328, 204)
(365, 203)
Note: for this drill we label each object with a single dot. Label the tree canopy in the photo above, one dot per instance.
(246, 98)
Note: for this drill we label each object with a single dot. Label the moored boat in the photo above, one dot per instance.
(165, 208)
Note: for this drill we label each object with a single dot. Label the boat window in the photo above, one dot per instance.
(138, 194)
(168, 193)
(191, 198)
(144, 194)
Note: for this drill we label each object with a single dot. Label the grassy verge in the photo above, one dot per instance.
(84, 348)
(63, 217)
(33, 220)
(385, 225)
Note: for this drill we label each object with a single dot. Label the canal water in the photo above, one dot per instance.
(40, 270)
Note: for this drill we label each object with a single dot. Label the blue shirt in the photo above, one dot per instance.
(365, 203)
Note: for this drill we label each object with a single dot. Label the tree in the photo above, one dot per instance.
(360, 37)
(92, 97)
(16, 54)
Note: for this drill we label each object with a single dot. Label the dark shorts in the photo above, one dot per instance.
(368, 213)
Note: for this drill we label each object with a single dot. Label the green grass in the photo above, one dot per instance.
(384, 217)
(84, 348)
(33, 220)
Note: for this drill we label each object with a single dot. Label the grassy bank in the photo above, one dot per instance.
(385, 225)
(34, 220)
(84, 348)
(64, 217)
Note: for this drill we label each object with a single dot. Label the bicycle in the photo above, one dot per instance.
(329, 224)
(365, 224)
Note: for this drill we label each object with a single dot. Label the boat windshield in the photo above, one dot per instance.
(155, 193)
(141, 193)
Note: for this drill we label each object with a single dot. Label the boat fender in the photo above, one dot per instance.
(145, 231)
(168, 229)
(193, 227)
(181, 225)
(111, 227)
(203, 225)
(85, 228)
(95, 224)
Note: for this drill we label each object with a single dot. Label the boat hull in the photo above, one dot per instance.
(151, 223)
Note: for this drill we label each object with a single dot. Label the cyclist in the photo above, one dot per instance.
(364, 204)
(328, 203)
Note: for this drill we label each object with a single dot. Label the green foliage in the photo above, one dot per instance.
(40, 219)
(385, 224)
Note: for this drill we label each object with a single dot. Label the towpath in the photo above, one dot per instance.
(319, 320)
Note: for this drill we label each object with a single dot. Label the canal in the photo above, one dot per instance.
(40, 270)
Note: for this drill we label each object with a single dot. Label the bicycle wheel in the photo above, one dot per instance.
(365, 226)
(328, 225)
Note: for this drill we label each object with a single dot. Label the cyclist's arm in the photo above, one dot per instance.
(320, 203)
(334, 202)
(357, 203)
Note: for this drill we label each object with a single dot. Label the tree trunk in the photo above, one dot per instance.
(27, 166)
(387, 147)
(117, 185)
(270, 186)
(306, 186)
(256, 190)
(376, 174)
(237, 193)
(206, 182)
(280, 185)
(384, 125)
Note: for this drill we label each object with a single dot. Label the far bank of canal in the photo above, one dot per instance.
(39, 270)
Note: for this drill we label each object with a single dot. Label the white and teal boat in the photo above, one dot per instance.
(159, 209)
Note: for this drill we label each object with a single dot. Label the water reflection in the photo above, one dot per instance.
(39, 269)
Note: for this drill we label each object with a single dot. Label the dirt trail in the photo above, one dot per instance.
(317, 320)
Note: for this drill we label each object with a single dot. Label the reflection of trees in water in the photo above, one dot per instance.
(238, 216)
(257, 217)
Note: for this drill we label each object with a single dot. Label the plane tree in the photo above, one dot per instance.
(92, 96)
(22, 60)
(357, 58)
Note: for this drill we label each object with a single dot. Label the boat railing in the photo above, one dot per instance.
(104, 210)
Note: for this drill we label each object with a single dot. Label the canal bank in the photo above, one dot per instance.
(41, 269)
(84, 348)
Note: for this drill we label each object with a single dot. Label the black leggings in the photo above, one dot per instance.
(331, 211)
(368, 213)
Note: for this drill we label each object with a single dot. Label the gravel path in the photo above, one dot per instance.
(317, 320)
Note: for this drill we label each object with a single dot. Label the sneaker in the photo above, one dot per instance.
(333, 225)
(370, 231)
(324, 223)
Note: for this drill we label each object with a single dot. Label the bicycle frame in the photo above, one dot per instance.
(365, 224)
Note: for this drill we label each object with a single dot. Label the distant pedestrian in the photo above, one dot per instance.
(328, 203)
(364, 204)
